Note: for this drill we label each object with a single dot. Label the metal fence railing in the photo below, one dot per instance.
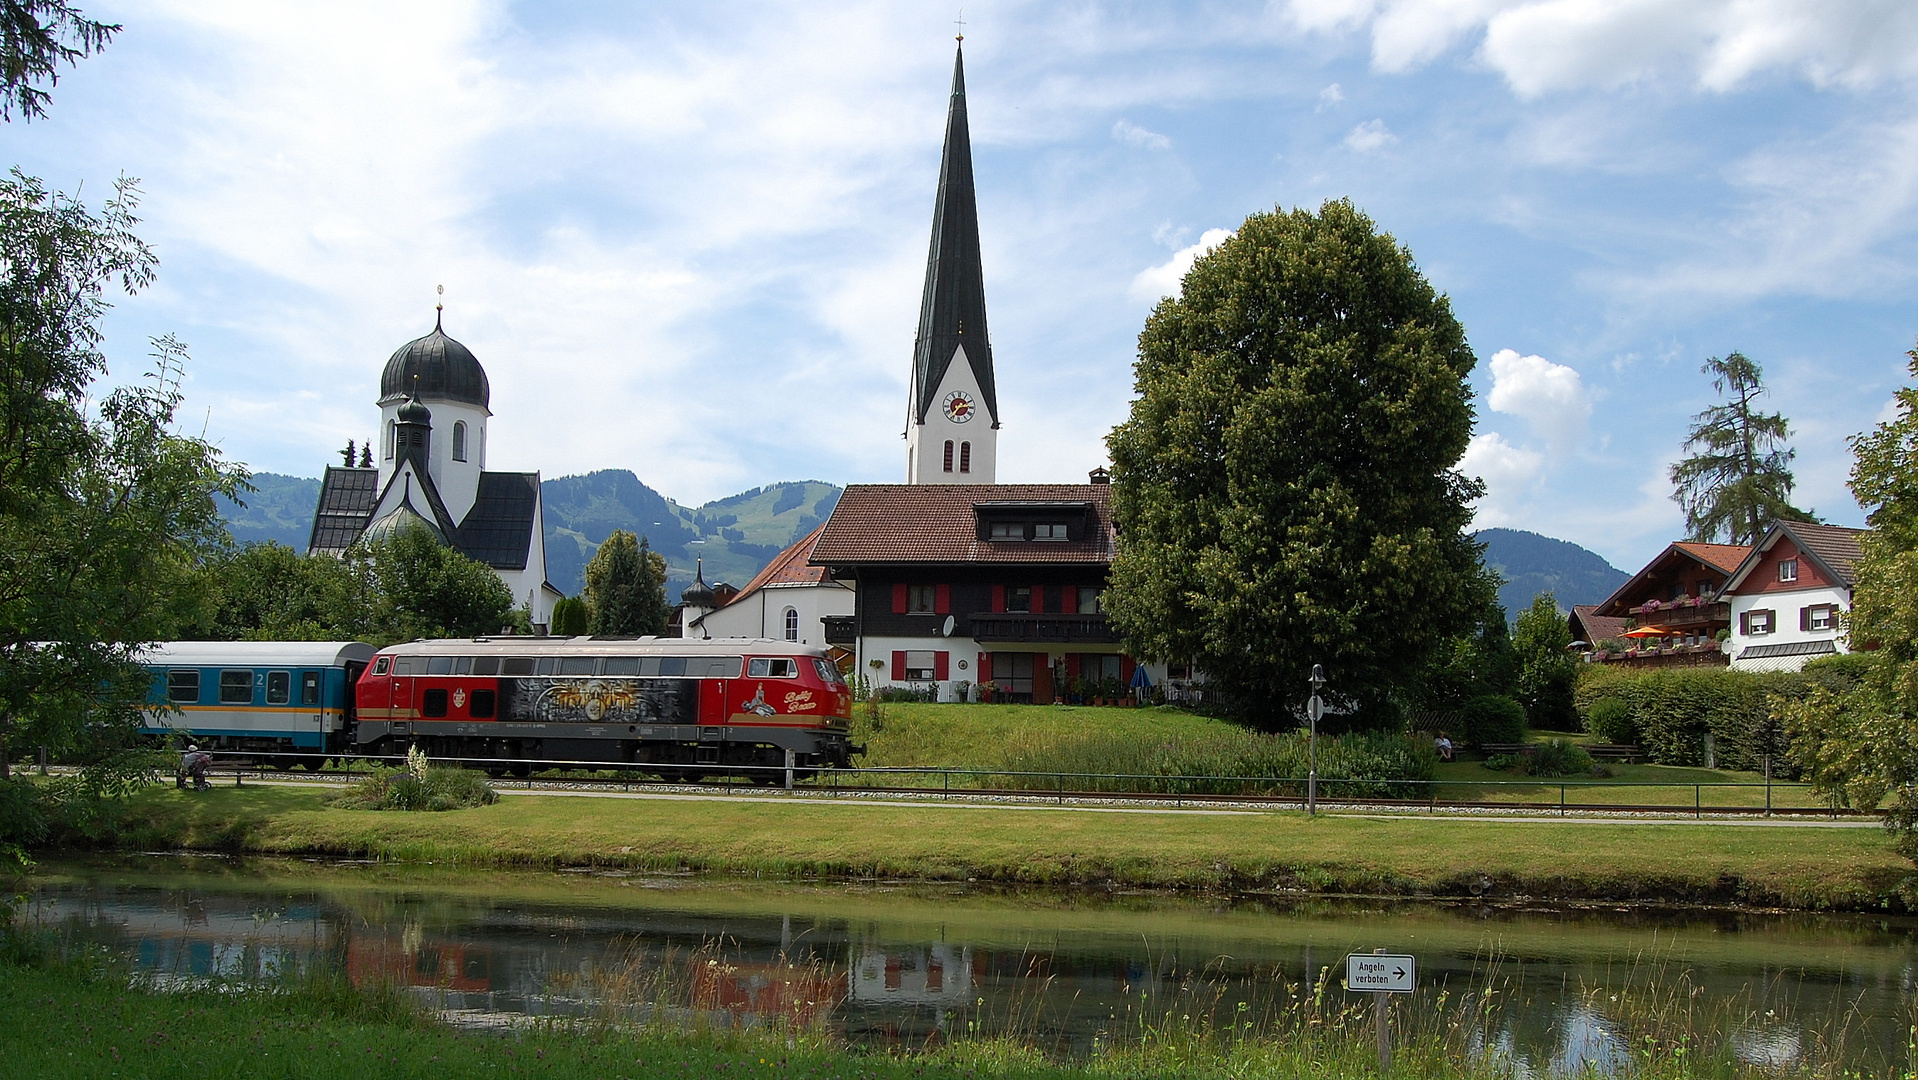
(1696, 798)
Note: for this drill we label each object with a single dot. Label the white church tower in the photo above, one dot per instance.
(952, 430)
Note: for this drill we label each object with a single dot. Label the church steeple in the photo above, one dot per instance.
(952, 325)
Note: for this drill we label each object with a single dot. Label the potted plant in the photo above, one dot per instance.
(987, 688)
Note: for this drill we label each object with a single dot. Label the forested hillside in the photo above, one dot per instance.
(1531, 564)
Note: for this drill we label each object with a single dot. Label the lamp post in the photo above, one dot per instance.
(1314, 708)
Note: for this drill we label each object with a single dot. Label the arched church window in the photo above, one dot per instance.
(392, 436)
(948, 455)
(792, 624)
(459, 440)
(965, 457)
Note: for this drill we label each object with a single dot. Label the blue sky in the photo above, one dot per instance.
(688, 239)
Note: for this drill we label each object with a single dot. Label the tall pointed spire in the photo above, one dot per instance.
(952, 312)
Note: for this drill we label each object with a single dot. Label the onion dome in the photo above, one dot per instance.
(401, 518)
(699, 594)
(415, 413)
(439, 368)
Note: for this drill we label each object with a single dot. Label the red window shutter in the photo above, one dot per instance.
(899, 664)
(898, 599)
(998, 598)
(1125, 669)
(1068, 599)
(1038, 599)
(1072, 665)
(983, 673)
(940, 660)
(942, 601)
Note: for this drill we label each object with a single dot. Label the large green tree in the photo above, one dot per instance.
(1477, 663)
(104, 511)
(626, 587)
(1861, 743)
(1286, 489)
(1546, 670)
(1736, 480)
(423, 589)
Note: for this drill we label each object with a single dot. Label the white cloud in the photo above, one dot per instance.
(1330, 96)
(1550, 396)
(1540, 46)
(1369, 136)
(1132, 134)
(1163, 280)
(1511, 474)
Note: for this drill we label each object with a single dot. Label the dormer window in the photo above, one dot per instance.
(1008, 530)
(1788, 569)
(1049, 530)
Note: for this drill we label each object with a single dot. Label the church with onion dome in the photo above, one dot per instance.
(428, 468)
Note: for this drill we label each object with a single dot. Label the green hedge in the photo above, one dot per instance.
(1668, 712)
(1355, 765)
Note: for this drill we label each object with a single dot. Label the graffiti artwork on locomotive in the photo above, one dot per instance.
(689, 707)
(295, 697)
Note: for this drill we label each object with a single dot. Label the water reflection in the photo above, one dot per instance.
(912, 967)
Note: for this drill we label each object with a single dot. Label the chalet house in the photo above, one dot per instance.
(1669, 614)
(961, 584)
(1788, 594)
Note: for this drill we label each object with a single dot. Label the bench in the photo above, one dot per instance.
(1503, 749)
(1615, 752)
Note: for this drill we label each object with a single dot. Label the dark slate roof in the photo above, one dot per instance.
(1834, 545)
(953, 309)
(935, 523)
(498, 530)
(442, 369)
(347, 498)
(1788, 648)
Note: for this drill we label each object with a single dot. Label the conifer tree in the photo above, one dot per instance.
(626, 587)
(1738, 479)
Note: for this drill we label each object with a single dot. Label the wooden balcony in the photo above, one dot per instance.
(1684, 618)
(1709, 654)
(1022, 626)
(839, 629)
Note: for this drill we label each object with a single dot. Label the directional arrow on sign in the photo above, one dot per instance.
(1398, 973)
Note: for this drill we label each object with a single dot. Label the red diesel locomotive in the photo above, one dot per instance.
(687, 707)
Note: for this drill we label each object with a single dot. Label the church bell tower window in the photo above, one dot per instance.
(948, 455)
(392, 430)
(965, 457)
(459, 440)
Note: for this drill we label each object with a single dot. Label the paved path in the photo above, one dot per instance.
(1544, 816)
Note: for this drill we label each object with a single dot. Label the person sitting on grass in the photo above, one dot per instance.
(1444, 747)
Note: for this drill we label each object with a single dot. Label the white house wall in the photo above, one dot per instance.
(1786, 605)
(763, 613)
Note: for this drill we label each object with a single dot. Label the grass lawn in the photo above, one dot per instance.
(1677, 861)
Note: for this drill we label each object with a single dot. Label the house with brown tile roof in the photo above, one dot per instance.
(1789, 595)
(959, 584)
(790, 599)
(1669, 614)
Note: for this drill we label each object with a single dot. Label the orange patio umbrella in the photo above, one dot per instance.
(1649, 631)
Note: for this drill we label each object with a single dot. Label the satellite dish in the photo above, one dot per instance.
(946, 629)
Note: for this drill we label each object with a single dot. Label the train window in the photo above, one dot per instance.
(828, 671)
(309, 688)
(516, 665)
(548, 665)
(433, 702)
(772, 667)
(183, 686)
(236, 687)
(481, 704)
(622, 665)
(579, 665)
(409, 665)
(672, 665)
(279, 687)
(486, 665)
(439, 665)
(724, 667)
(380, 665)
(463, 665)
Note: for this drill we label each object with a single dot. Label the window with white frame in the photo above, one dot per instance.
(1821, 617)
(792, 624)
(1788, 569)
(921, 664)
(1757, 623)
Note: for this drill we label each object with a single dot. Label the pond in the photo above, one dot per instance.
(911, 964)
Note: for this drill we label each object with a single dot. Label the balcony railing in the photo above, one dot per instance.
(1021, 626)
(1682, 615)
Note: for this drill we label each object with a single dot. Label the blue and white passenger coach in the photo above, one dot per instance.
(290, 696)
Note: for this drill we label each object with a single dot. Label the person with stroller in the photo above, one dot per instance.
(194, 764)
